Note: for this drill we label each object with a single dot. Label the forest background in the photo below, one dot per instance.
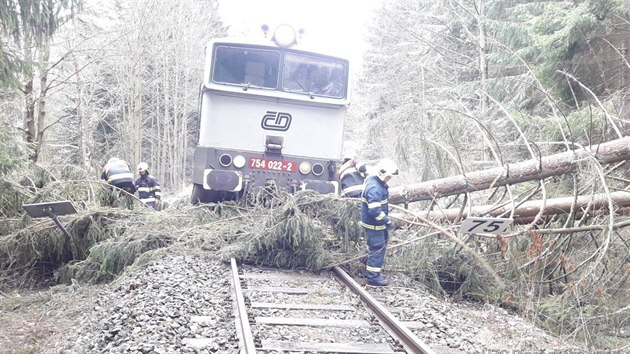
(447, 87)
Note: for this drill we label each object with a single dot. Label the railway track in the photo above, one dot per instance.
(287, 311)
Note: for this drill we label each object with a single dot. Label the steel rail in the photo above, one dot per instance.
(243, 321)
(400, 332)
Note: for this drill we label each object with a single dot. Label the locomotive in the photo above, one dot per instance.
(270, 112)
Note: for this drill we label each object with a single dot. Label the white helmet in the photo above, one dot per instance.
(386, 168)
(112, 159)
(143, 166)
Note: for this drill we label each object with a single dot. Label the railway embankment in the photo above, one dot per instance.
(135, 280)
(182, 303)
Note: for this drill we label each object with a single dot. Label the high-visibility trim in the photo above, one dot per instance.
(374, 205)
(380, 216)
(119, 176)
(346, 172)
(352, 189)
(144, 189)
(373, 227)
(372, 269)
(158, 194)
(147, 200)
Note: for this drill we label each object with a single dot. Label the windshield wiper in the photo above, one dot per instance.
(301, 86)
(246, 86)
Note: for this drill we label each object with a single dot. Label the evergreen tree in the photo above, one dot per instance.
(13, 151)
(23, 22)
(565, 31)
(442, 74)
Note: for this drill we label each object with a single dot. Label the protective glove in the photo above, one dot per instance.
(391, 224)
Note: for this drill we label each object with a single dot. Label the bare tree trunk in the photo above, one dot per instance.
(178, 109)
(43, 90)
(155, 145)
(483, 51)
(183, 134)
(165, 123)
(156, 151)
(136, 117)
(555, 206)
(553, 165)
(81, 124)
(179, 105)
(29, 100)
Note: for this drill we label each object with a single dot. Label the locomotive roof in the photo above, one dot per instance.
(267, 42)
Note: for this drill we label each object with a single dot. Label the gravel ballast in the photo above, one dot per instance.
(182, 303)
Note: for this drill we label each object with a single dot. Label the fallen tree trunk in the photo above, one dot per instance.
(552, 165)
(624, 211)
(527, 210)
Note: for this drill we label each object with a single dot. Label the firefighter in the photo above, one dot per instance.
(117, 173)
(351, 177)
(374, 218)
(148, 187)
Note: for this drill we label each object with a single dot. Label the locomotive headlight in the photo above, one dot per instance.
(284, 36)
(305, 167)
(318, 169)
(225, 160)
(239, 161)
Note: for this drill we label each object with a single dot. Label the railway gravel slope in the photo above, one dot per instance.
(181, 303)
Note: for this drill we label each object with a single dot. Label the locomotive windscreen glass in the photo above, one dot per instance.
(246, 66)
(314, 76)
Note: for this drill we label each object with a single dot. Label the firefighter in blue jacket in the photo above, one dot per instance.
(374, 218)
(148, 187)
(117, 173)
(351, 177)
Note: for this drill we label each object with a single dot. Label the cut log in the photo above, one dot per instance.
(552, 165)
(555, 206)
(625, 211)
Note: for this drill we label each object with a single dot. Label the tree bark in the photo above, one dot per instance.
(43, 91)
(552, 165)
(29, 99)
(527, 210)
(82, 124)
(483, 53)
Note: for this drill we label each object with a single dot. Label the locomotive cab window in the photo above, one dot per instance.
(313, 76)
(246, 67)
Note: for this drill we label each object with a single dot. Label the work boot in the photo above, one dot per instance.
(378, 281)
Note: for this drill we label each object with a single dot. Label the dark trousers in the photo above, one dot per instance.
(377, 244)
(126, 186)
(116, 195)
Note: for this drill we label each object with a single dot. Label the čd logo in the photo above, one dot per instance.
(276, 121)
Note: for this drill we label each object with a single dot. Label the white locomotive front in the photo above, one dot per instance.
(269, 113)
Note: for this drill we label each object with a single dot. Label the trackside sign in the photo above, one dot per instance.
(480, 225)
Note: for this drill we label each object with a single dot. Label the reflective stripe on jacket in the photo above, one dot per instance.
(351, 178)
(117, 173)
(148, 188)
(374, 204)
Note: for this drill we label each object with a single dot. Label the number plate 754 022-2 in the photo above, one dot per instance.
(479, 225)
